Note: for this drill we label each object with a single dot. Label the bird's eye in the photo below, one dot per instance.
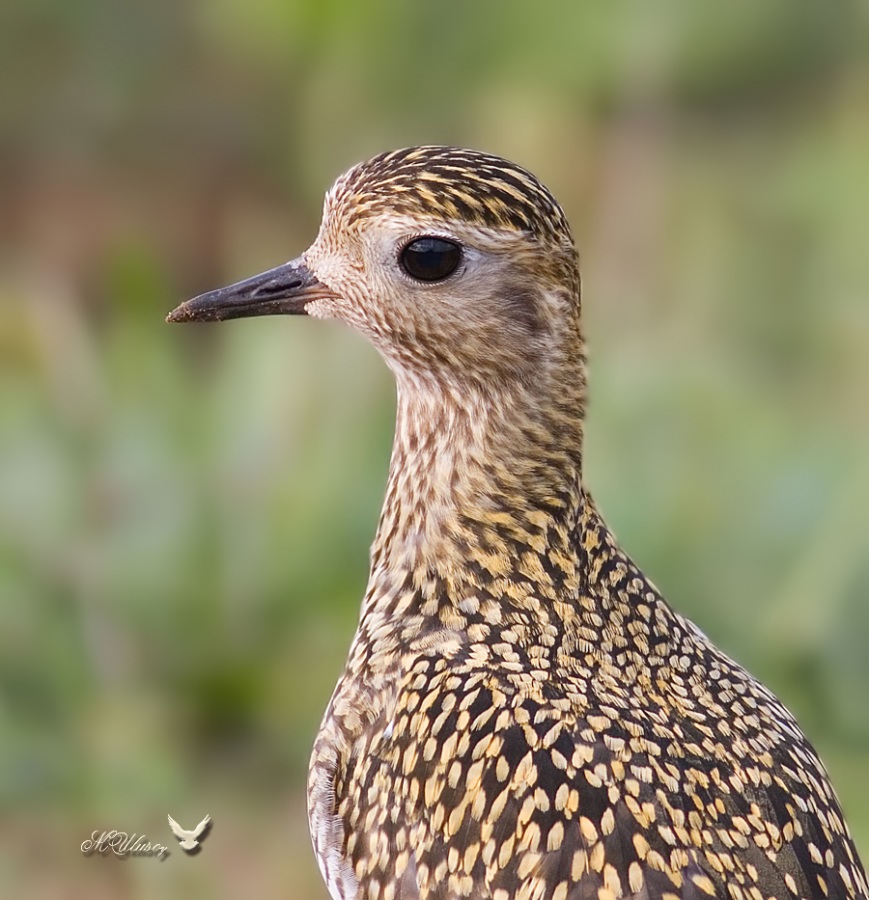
(430, 258)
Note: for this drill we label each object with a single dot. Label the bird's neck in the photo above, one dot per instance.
(484, 484)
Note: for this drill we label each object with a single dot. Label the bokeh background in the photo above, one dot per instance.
(185, 512)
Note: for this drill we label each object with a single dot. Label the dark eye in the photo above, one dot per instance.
(430, 258)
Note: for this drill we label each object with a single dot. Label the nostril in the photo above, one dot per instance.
(275, 289)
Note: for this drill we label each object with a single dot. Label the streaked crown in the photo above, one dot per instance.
(451, 183)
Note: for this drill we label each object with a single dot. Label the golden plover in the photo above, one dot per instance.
(522, 715)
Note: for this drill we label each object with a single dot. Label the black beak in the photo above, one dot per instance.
(281, 291)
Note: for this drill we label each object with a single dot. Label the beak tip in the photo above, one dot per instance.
(179, 314)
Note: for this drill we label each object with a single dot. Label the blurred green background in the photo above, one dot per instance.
(185, 512)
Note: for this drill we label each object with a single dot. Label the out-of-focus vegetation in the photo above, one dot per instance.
(185, 511)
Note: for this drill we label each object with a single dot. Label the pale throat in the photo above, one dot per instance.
(479, 465)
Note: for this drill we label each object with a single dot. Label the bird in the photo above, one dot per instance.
(190, 840)
(522, 715)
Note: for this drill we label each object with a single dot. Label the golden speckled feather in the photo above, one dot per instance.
(522, 715)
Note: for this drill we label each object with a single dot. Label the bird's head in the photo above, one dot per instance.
(456, 264)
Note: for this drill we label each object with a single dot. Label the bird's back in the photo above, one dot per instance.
(569, 747)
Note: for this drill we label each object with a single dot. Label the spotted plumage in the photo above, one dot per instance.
(522, 715)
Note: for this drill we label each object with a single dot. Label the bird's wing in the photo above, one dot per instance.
(177, 830)
(650, 824)
(197, 831)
